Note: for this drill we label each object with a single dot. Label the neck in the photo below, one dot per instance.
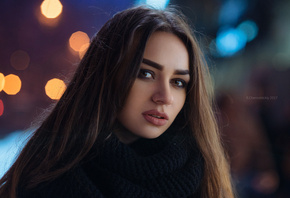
(123, 134)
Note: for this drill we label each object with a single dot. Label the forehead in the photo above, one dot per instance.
(168, 50)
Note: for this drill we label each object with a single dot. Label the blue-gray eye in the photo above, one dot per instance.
(179, 83)
(145, 74)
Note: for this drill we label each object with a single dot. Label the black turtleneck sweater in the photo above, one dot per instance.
(168, 166)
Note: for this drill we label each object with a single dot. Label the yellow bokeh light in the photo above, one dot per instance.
(51, 8)
(78, 39)
(2, 81)
(83, 50)
(54, 88)
(20, 60)
(46, 22)
(12, 84)
(1, 107)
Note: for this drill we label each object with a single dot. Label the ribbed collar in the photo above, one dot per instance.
(162, 167)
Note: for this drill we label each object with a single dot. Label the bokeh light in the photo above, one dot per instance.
(10, 145)
(2, 81)
(78, 39)
(231, 11)
(83, 50)
(250, 28)
(160, 4)
(230, 41)
(1, 107)
(51, 8)
(19, 60)
(12, 84)
(46, 22)
(54, 88)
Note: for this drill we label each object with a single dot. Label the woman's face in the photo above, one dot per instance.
(159, 92)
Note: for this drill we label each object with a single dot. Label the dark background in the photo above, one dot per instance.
(252, 84)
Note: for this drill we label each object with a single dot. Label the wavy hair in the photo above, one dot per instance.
(86, 113)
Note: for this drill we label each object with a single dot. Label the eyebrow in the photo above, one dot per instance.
(160, 67)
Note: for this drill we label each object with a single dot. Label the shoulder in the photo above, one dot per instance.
(73, 184)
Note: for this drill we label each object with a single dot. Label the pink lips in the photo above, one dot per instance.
(155, 117)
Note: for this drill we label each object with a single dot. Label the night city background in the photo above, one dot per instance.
(246, 44)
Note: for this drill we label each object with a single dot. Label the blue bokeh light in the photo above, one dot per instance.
(230, 41)
(160, 4)
(231, 11)
(10, 146)
(250, 29)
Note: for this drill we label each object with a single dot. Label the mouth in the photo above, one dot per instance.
(155, 117)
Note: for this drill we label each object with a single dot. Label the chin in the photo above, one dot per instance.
(152, 135)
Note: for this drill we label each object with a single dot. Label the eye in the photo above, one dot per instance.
(145, 74)
(179, 83)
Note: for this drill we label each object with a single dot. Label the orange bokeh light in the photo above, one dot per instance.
(2, 81)
(51, 8)
(20, 60)
(83, 50)
(12, 84)
(78, 39)
(1, 107)
(54, 88)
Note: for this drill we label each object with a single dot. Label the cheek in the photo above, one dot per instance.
(180, 100)
(135, 98)
(140, 93)
(134, 101)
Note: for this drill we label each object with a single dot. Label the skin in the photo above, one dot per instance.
(161, 86)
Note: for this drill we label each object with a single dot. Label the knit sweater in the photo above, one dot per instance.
(168, 166)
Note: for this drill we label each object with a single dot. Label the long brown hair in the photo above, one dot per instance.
(86, 112)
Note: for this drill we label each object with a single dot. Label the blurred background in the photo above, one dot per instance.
(247, 46)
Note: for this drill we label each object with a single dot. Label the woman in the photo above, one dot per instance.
(135, 121)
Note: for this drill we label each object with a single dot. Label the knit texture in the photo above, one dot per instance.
(163, 167)
(168, 166)
(73, 184)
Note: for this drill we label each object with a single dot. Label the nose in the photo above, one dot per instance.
(163, 95)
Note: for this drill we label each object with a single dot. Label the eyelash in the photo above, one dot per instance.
(184, 84)
(143, 76)
(143, 72)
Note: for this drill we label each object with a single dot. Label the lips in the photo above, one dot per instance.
(155, 117)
